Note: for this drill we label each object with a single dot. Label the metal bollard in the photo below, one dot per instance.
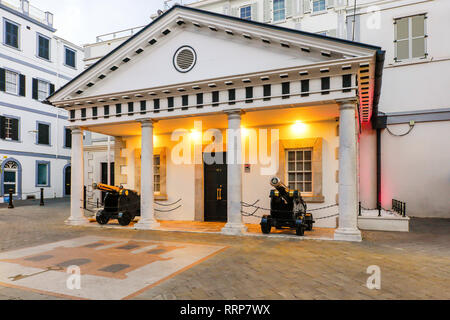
(84, 198)
(10, 205)
(42, 198)
(97, 204)
(359, 209)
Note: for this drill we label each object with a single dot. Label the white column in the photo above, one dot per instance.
(147, 221)
(77, 180)
(348, 200)
(235, 225)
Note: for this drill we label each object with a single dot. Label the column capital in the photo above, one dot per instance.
(147, 122)
(347, 103)
(234, 112)
(75, 129)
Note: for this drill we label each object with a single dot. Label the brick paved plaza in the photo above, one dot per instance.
(414, 265)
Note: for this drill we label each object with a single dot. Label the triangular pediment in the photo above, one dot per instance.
(220, 46)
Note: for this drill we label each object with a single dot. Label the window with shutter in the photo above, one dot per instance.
(156, 105)
(305, 88)
(410, 37)
(185, 102)
(42, 89)
(11, 34)
(70, 57)
(325, 85)
(43, 47)
(130, 108)
(22, 84)
(231, 96)
(267, 90)
(319, 5)
(199, 100)
(306, 6)
(9, 128)
(143, 106)
(215, 98)
(254, 10)
(248, 94)
(2, 79)
(43, 135)
(170, 104)
(68, 138)
(245, 13)
(11, 82)
(286, 89)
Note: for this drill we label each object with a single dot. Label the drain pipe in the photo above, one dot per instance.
(379, 171)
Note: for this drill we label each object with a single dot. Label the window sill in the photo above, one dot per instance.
(70, 67)
(314, 199)
(161, 197)
(44, 59)
(11, 47)
(318, 13)
(408, 62)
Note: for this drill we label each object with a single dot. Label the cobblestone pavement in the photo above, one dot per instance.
(414, 265)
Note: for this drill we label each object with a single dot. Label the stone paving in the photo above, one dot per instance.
(413, 265)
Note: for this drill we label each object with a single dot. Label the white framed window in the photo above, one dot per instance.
(279, 10)
(42, 174)
(43, 47)
(70, 57)
(299, 170)
(11, 82)
(11, 33)
(245, 12)
(319, 5)
(410, 37)
(157, 174)
(43, 90)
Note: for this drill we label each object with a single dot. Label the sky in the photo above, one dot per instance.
(80, 21)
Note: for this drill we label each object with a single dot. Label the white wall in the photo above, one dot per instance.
(26, 62)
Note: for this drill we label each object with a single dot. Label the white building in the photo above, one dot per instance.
(414, 155)
(229, 84)
(34, 139)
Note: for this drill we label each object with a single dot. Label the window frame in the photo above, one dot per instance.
(65, 146)
(245, 7)
(48, 164)
(49, 133)
(321, 10)
(410, 38)
(295, 172)
(18, 178)
(5, 20)
(155, 166)
(274, 11)
(47, 86)
(66, 48)
(38, 35)
(17, 74)
(6, 116)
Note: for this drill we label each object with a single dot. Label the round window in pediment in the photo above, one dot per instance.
(184, 59)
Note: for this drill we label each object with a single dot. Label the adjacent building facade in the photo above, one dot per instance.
(35, 140)
(414, 112)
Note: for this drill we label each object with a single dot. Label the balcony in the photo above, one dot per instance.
(24, 7)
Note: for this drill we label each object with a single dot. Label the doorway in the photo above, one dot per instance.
(215, 182)
(67, 180)
(105, 175)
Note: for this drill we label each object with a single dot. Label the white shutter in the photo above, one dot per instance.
(254, 9)
(330, 4)
(289, 8)
(235, 12)
(306, 6)
(267, 11)
(298, 10)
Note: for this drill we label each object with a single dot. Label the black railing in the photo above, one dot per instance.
(399, 207)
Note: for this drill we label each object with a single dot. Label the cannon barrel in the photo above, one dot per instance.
(281, 188)
(106, 188)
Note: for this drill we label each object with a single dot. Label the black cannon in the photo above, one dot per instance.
(119, 203)
(287, 210)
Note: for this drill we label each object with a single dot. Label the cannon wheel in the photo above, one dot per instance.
(102, 218)
(300, 231)
(125, 220)
(266, 227)
(309, 227)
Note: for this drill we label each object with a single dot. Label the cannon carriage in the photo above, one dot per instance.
(119, 203)
(287, 210)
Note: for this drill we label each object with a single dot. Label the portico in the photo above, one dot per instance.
(299, 103)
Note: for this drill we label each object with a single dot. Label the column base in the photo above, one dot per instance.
(345, 234)
(77, 221)
(147, 225)
(234, 229)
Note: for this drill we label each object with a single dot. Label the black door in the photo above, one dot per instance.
(105, 175)
(67, 180)
(215, 176)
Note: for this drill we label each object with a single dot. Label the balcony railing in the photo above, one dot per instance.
(119, 34)
(24, 7)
